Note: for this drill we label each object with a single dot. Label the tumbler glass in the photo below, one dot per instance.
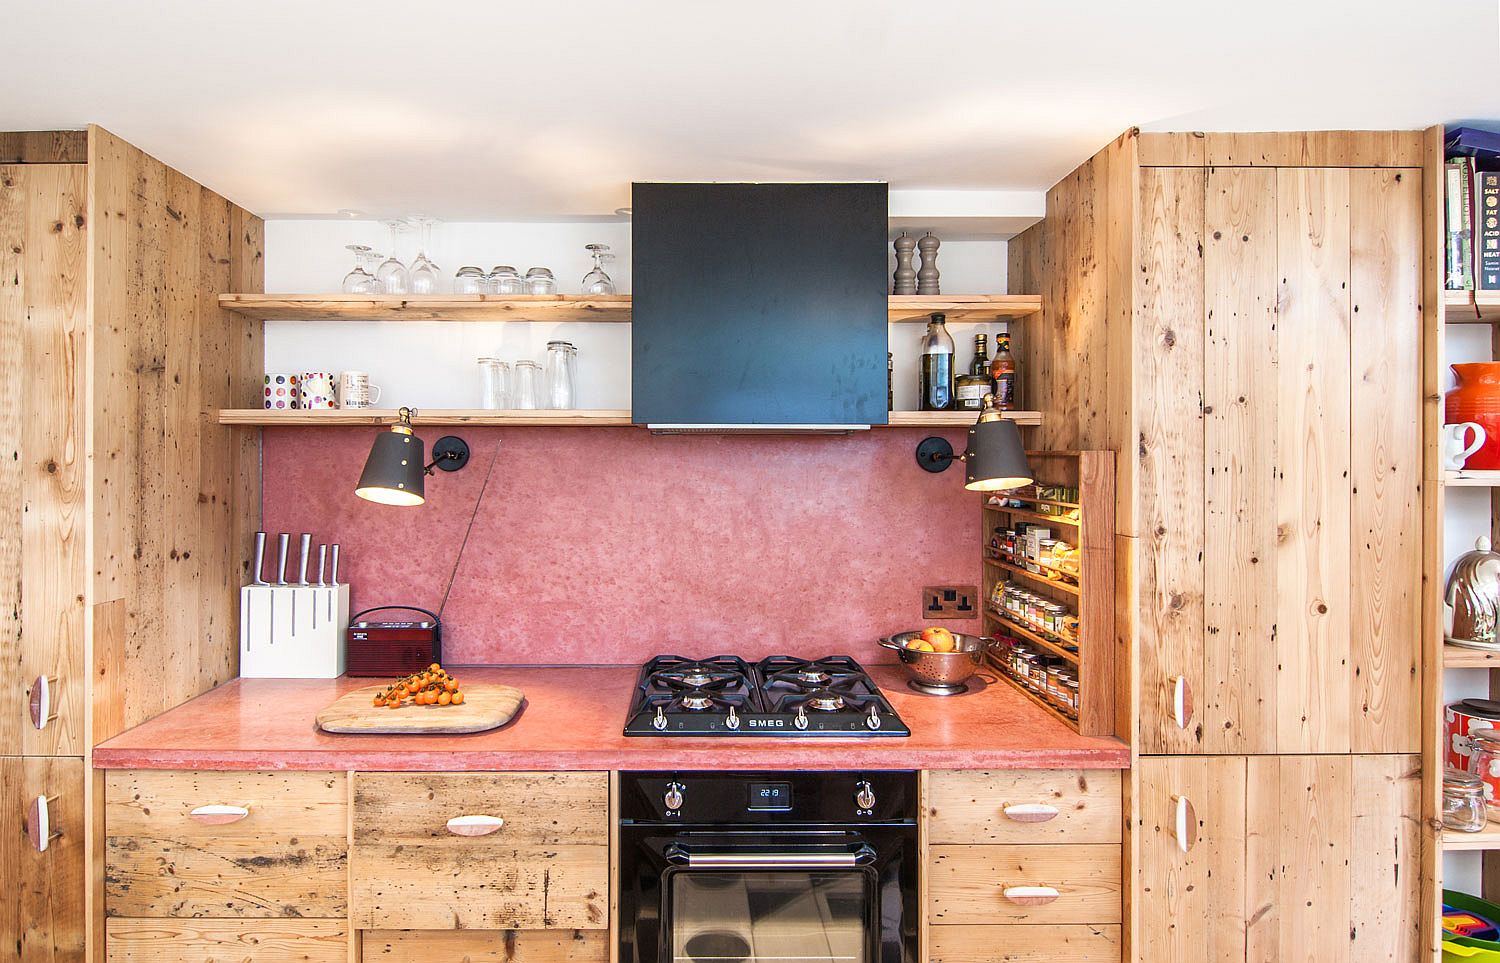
(539, 280)
(504, 280)
(469, 280)
(494, 384)
(526, 391)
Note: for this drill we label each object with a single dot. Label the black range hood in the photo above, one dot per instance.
(759, 307)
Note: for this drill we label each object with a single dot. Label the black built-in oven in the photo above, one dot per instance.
(756, 867)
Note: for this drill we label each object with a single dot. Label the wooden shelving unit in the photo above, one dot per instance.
(1093, 474)
(595, 418)
(1471, 479)
(1463, 657)
(1486, 838)
(1471, 307)
(965, 308)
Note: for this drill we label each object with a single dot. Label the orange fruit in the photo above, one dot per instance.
(939, 638)
(919, 645)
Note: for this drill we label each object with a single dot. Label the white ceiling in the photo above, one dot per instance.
(504, 110)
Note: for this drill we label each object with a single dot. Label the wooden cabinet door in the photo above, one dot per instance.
(1277, 858)
(1278, 398)
(42, 497)
(41, 896)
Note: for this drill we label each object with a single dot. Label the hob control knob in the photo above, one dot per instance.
(864, 795)
(672, 798)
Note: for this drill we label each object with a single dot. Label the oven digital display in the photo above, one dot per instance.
(772, 796)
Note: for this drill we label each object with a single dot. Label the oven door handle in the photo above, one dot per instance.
(791, 859)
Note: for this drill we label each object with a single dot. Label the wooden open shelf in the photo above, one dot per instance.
(1463, 657)
(1041, 580)
(1471, 307)
(968, 308)
(1471, 479)
(1093, 473)
(1486, 838)
(1054, 710)
(596, 418)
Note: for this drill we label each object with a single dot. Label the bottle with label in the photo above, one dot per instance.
(1003, 373)
(937, 366)
(970, 388)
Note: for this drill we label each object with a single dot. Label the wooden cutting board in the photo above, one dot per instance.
(486, 706)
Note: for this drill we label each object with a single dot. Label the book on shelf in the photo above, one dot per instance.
(1458, 180)
(1487, 231)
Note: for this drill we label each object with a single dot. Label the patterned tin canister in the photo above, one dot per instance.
(1460, 719)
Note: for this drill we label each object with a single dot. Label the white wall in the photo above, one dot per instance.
(431, 365)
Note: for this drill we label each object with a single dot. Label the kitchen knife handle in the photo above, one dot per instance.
(322, 563)
(305, 552)
(260, 558)
(283, 542)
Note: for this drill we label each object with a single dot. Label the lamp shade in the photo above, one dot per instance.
(996, 459)
(393, 473)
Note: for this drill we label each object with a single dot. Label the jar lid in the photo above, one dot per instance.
(1459, 778)
(1479, 708)
(1488, 739)
(562, 344)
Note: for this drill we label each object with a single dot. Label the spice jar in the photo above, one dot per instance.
(1463, 801)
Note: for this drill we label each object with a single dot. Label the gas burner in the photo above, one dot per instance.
(824, 700)
(811, 676)
(696, 700)
(693, 675)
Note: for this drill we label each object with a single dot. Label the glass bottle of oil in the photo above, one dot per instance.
(937, 366)
(1003, 373)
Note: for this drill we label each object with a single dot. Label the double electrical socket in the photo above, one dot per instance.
(950, 602)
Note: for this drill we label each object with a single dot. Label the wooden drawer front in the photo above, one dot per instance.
(967, 884)
(485, 946)
(547, 867)
(222, 941)
(286, 858)
(970, 807)
(1077, 943)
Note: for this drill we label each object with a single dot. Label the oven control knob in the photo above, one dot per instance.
(800, 720)
(864, 795)
(672, 798)
(733, 719)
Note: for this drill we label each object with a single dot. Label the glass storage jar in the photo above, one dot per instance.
(1484, 762)
(562, 374)
(1463, 801)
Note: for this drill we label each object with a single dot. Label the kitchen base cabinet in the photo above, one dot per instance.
(544, 866)
(1025, 944)
(222, 941)
(41, 893)
(1277, 858)
(485, 946)
(283, 854)
(997, 884)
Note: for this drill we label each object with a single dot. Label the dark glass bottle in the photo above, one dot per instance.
(970, 387)
(937, 366)
(1003, 373)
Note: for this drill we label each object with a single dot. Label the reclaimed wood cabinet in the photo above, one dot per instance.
(125, 509)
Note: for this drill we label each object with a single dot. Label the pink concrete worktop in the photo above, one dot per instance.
(573, 719)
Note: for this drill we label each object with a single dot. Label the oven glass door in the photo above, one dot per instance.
(768, 900)
(768, 916)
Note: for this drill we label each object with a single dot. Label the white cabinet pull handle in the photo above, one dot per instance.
(1030, 812)
(1031, 895)
(474, 825)
(1184, 823)
(218, 815)
(1182, 702)
(41, 701)
(39, 824)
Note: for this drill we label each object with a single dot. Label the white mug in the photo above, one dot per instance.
(1455, 451)
(355, 390)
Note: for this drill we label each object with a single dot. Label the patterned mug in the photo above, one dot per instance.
(355, 390)
(281, 390)
(316, 390)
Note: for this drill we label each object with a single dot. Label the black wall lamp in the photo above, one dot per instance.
(995, 459)
(394, 471)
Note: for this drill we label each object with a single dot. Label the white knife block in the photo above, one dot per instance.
(293, 631)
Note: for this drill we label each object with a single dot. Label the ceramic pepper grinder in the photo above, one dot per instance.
(927, 277)
(905, 278)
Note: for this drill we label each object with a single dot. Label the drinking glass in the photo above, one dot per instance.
(526, 389)
(596, 281)
(505, 280)
(358, 281)
(494, 384)
(392, 274)
(426, 277)
(539, 280)
(562, 367)
(469, 280)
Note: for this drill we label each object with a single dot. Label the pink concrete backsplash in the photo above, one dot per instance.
(609, 545)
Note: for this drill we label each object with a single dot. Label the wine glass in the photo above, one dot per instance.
(359, 281)
(426, 277)
(392, 274)
(596, 281)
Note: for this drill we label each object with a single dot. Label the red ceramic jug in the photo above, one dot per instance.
(1476, 398)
